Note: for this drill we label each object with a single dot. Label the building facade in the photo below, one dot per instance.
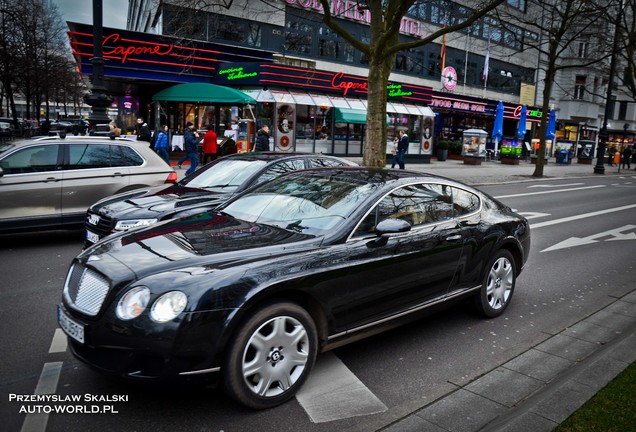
(240, 46)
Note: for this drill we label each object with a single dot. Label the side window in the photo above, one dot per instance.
(38, 158)
(280, 169)
(324, 162)
(417, 204)
(465, 202)
(84, 156)
(125, 156)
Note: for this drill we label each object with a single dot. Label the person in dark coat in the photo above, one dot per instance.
(191, 145)
(143, 131)
(627, 157)
(403, 146)
(262, 139)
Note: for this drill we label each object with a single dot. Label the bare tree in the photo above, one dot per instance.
(562, 25)
(381, 51)
(628, 54)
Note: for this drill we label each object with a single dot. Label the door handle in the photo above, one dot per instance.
(454, 237)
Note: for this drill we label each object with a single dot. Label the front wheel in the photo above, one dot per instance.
(271, 356)
(498, 285)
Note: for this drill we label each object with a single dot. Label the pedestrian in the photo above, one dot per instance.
(143, 131)
(262, 139)
(161, 144)
(210, 147)
(627, 157)
(610, 156)
(394, 152)
(403, 147)
(191, 145)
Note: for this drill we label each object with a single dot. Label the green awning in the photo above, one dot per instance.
(203, 93)
(348, 115)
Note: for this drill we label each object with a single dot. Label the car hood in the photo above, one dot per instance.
(156, 202)
(207, 240)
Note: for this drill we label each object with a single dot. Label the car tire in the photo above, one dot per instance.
(270, 356)
(497, 286)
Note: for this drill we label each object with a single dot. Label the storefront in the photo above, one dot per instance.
(455, 114)
(323, 111)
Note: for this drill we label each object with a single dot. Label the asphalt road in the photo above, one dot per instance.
(583, 238)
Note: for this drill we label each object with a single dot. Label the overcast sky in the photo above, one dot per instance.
(115, 12)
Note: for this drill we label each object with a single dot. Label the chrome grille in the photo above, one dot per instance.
(85, 290)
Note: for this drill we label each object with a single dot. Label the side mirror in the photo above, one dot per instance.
(392, 226)
(1, 172)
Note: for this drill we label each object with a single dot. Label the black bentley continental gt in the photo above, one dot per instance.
(251, 292)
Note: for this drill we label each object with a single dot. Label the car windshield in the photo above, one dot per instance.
(311, 204)
(225, 176)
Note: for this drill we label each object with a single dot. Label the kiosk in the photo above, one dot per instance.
(474, 146)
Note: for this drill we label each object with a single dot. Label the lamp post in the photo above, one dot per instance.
(604, 134)
(98, 99)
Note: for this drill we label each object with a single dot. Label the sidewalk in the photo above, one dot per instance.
(494, 172)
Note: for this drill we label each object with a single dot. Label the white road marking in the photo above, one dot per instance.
(333, 392)
(549, 192)
(581, 216)
(59, 342)
(533, 215)
(554, 185)
(46, 385)
(614, 235)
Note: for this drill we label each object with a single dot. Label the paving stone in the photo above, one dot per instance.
(568, 347)
(622, 308)
(462, 411)
(591, 332)
(564, 401)
(527, 422)
(611, 320)
(505, 386)
(625, 350)
(413, 424)
(538, 364)
(598, 374)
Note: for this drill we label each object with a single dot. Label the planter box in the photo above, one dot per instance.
(442, 155)
(584, 161)
(453, 156)
(472, 160)
(509, 161)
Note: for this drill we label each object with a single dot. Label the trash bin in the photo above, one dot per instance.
(562, 157)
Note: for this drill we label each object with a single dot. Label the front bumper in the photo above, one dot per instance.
(140, 349)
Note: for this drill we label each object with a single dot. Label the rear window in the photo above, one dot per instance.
(38, 158)
(83, 156)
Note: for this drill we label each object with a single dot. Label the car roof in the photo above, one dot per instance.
(378, 175)
(84, 139)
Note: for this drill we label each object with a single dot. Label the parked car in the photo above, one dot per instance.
(6, 131)
(49, 182)
(202, 190)
(248, 294)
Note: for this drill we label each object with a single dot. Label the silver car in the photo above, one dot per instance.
(49, 182)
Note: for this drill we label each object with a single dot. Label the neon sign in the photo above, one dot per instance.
(395, 90)
(236, 73)
(458, 104)
(125, 51)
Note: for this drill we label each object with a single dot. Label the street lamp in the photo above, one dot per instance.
(604, 134)
(98, 99)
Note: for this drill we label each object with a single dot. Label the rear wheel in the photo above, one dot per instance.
(498, 285)
(271, 356)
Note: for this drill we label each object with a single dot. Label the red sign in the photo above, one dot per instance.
(124, 51)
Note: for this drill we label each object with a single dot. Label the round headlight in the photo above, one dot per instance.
(168, 306)
(133, 303)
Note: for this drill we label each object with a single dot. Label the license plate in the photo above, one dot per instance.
(92, 237)
(70, 326)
